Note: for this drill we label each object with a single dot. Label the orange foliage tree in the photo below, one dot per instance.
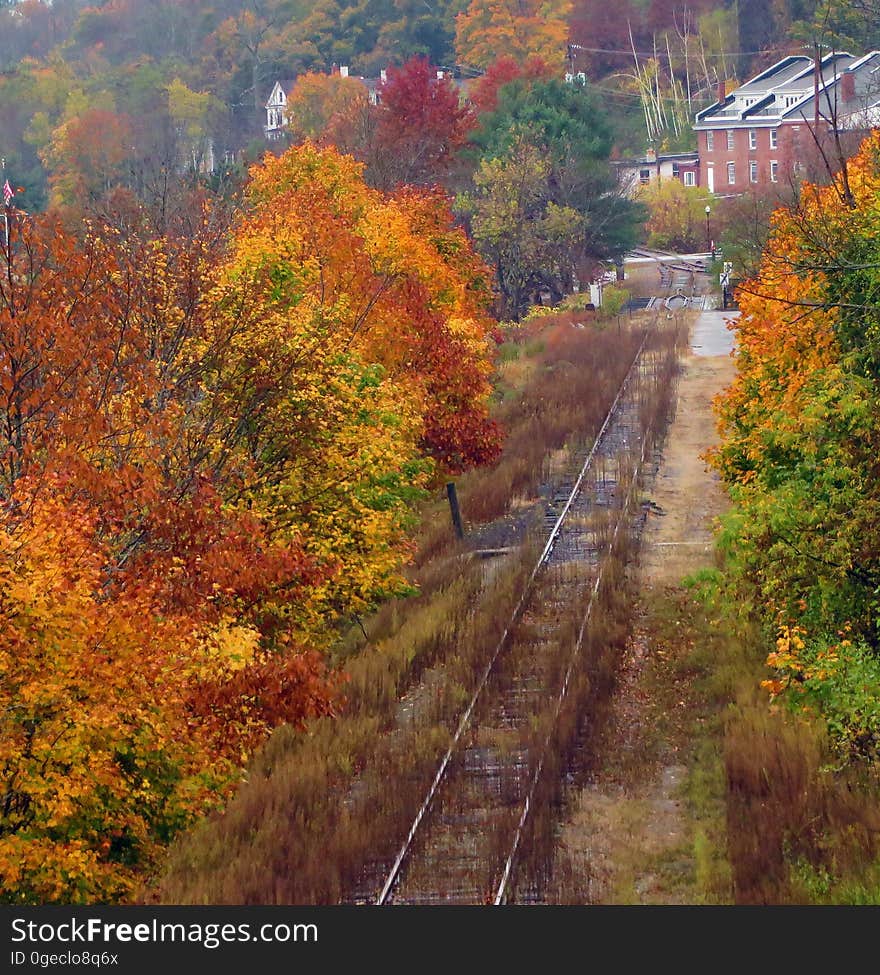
(210, 447)
(800, 440)
(383, 295)
(316, 99)
(87, 156)
(520, 29)
(133, 589)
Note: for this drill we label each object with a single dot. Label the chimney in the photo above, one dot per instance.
(343, 71)
(383, 76)
(847, 86)
(722, 92)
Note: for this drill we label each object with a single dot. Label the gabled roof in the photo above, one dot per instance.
(286, 85)
(759, 87)
(785, 90)
(865, 72)
(780, 73)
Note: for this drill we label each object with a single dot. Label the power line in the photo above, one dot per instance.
(651, 54)
(591, 86)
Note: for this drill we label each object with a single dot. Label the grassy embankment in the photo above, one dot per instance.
(761, 809)
(780, 819)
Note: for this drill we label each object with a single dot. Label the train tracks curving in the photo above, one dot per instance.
(466, 841)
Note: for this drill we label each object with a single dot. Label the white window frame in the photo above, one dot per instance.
(690, 178)
(774, 171)
(731, 174)
(710, 141)
(753, 138)
(753, 171)
(774, 139)
(730, 137)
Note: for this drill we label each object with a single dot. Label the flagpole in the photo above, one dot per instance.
(6, 201)
(8, 194)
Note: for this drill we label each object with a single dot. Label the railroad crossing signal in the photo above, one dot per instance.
(724, 280)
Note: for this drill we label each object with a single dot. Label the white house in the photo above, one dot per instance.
(654, 167)
(276, 108)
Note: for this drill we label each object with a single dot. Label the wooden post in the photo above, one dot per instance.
(454, 509)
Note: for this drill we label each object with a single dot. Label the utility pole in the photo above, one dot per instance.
(817, 74)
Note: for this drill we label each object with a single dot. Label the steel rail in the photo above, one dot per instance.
(464, 721)
(501, 892)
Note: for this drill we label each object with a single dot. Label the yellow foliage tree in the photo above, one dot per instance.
(317, 98)
(488, 29)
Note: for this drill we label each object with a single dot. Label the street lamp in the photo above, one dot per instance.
(708, 236)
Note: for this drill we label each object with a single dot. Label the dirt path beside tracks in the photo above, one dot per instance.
(629, 839)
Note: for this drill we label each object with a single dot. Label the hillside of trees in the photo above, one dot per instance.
(131, 86)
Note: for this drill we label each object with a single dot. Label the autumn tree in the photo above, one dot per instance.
(249, 32)
(745, 224)
(483, 94)
(486, 29)
(800, 436)
(414, 136)
(422, 124)
(565, 125)
(316, 99)
(211, 442)
(139, 664)
(424, 292)
(798, 452)
(532, 241)
(193, 114)
(87, 156)
(676, 215)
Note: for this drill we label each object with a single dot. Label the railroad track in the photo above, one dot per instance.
(465, 841)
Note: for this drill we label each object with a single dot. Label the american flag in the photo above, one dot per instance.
(7, 192)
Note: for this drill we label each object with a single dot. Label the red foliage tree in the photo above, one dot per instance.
(422, 124)
(484, 94)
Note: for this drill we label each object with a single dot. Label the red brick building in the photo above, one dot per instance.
(761, 133)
